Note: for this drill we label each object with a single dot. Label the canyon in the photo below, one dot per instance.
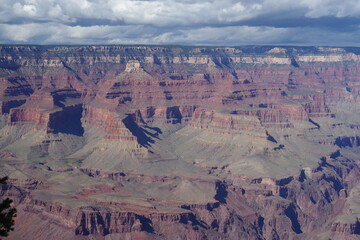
(174, 142)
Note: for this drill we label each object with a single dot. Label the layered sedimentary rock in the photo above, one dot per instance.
(138, 142)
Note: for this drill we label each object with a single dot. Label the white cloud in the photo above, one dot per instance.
(21, 33)
(324, 8)
(158, 12)
(55, 33)
(26, 10)
(168, 21)
(235, 35)
(171, 12)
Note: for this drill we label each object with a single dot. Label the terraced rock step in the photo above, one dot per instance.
(151, 142)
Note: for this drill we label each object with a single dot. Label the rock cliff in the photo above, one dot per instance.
(152, 142)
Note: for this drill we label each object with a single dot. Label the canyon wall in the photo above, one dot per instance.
(157, 142)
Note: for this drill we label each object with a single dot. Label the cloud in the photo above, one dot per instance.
(27, 10)
(233, 35)
(221, 22)
(325, 8)
(157, 13)
(55, 33)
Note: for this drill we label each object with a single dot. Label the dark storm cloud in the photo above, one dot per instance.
(216, 22)
(329, 23)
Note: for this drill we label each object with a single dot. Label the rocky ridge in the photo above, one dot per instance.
(138, 142)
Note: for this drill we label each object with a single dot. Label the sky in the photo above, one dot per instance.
(181, 22)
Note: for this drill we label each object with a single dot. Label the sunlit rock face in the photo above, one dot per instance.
(138, 142)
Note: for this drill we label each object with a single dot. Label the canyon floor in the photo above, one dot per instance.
(157, 142)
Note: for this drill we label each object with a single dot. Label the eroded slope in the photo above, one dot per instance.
(119, 142)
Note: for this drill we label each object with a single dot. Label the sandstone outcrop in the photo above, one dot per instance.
(151, 142)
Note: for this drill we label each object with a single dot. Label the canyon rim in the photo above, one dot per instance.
(173, 142)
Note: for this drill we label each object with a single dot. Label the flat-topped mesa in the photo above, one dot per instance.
(35, 110)
(226, 123)
(277, 115)
(317, 107)
(170, 115)
(133, 66)
(28, 115)
(294, 112)
(328, 58)
(108, 121)
(54, 120)
(41, 99)
(269, 118)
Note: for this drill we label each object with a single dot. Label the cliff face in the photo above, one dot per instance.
(137, 142)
